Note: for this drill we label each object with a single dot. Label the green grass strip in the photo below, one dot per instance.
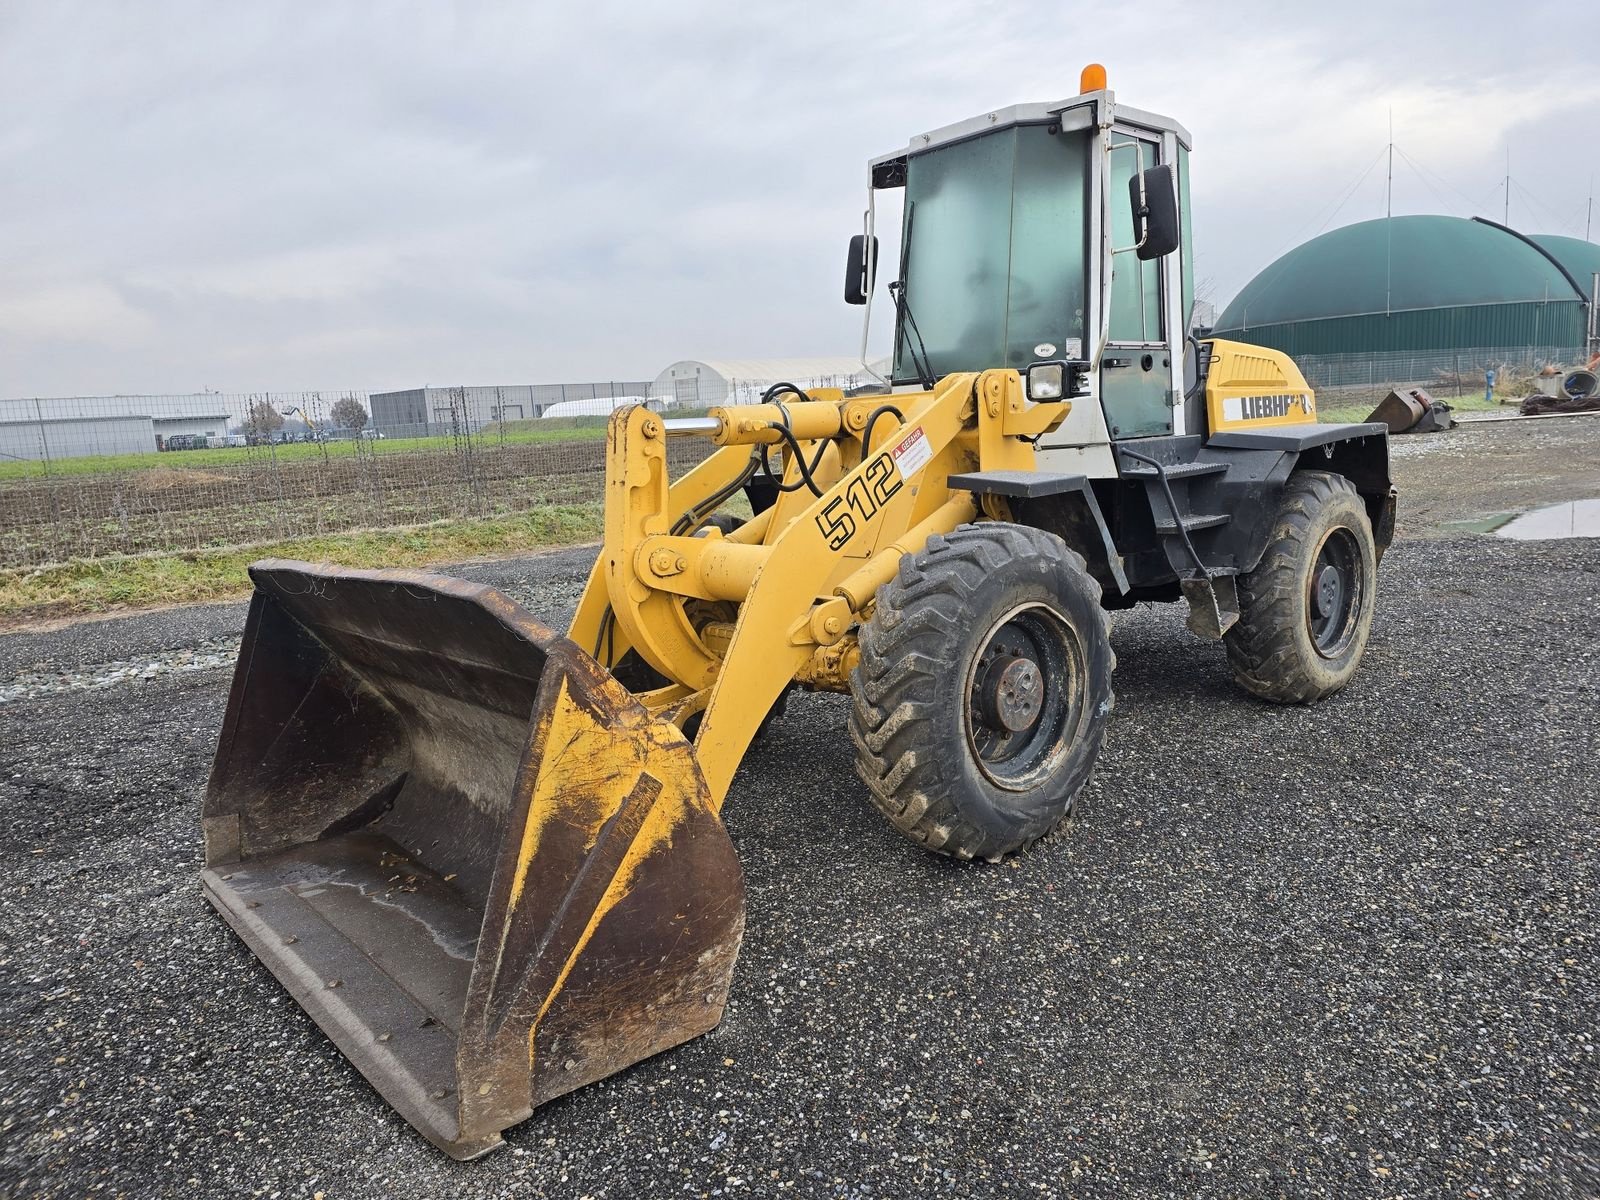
(554, 431)
(189, 577)
(1355, 414)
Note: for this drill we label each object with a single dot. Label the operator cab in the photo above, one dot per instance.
(1053, 239)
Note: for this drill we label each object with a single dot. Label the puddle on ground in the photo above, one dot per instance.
(1574, 519)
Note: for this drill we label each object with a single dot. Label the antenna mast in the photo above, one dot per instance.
(1506, 220)
(1389, 204)
(1388, 226)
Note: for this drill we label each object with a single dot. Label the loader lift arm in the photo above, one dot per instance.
(806, 569)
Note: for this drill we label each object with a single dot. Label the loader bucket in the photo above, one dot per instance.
(469, 854)
(1400, 413)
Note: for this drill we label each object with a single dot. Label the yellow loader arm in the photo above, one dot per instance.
(804, 571)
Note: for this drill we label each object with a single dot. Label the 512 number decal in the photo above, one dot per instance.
(843, 516)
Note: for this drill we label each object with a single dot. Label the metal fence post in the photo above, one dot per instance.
(52, 495)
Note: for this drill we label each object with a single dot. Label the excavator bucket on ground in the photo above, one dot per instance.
(482, 867)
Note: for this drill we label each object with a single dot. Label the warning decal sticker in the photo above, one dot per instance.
(911, 453)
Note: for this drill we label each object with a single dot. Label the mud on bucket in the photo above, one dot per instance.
(462, 846)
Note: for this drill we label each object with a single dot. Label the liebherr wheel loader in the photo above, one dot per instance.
(488, 858)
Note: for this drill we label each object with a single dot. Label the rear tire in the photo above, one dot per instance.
(1305, 612)
(983, 691)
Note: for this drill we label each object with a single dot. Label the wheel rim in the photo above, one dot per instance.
(1024, 696)
(1334, 593)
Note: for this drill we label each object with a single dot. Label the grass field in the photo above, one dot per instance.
(110, 584)
(173, 505)
(1340, 414)
(195, 506)
(566, 429)
(508, 433)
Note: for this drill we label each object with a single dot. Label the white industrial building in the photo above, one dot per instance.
(75, 426)
(696, 383)
(437, 410)
(688, 383)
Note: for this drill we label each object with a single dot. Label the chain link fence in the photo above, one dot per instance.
(86, 478)
(1350, 381)
(91, 477)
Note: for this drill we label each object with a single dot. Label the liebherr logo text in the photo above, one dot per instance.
(862, 499)
(1256, 407)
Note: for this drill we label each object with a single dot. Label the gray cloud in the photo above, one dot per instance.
(286, 195)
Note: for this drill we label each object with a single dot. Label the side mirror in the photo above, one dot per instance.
(858, 270)
(1154, 197)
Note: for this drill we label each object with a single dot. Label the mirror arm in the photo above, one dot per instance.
(869, 223)
(1144, 200)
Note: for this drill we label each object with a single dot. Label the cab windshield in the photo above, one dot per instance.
(995, 234)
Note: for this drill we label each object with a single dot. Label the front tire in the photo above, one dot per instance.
(983, 691)
(1305, 612)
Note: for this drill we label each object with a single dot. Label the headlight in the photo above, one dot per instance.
(1047, 381)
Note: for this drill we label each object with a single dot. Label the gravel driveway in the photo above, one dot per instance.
(1346, 950)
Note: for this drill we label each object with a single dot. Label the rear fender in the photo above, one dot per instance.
(1359, 452)
(1364, 461)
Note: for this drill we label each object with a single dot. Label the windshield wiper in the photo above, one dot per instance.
(902, 310)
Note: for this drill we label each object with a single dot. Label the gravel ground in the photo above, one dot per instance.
(1451, 481)
(1346, 950)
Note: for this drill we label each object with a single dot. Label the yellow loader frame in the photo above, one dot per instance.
(803, 571)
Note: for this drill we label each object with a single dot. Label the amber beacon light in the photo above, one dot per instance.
(1093, 79)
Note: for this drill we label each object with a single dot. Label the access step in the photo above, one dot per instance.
(1192, 523)
(1187, 470)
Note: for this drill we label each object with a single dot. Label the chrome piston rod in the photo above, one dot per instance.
(691, 426)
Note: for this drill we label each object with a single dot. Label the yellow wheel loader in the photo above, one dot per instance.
(488, 859)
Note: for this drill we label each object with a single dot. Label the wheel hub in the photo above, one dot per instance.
(1011, 693)
(1335, 589)
(1329, 591)
(1024, 696)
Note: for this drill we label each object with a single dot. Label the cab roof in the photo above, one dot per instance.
(1080, 112)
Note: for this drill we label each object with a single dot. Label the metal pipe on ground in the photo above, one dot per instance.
(1580, 385)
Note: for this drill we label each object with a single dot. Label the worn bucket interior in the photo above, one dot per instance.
(481, 867)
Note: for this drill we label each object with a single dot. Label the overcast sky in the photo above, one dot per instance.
(327, 195)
